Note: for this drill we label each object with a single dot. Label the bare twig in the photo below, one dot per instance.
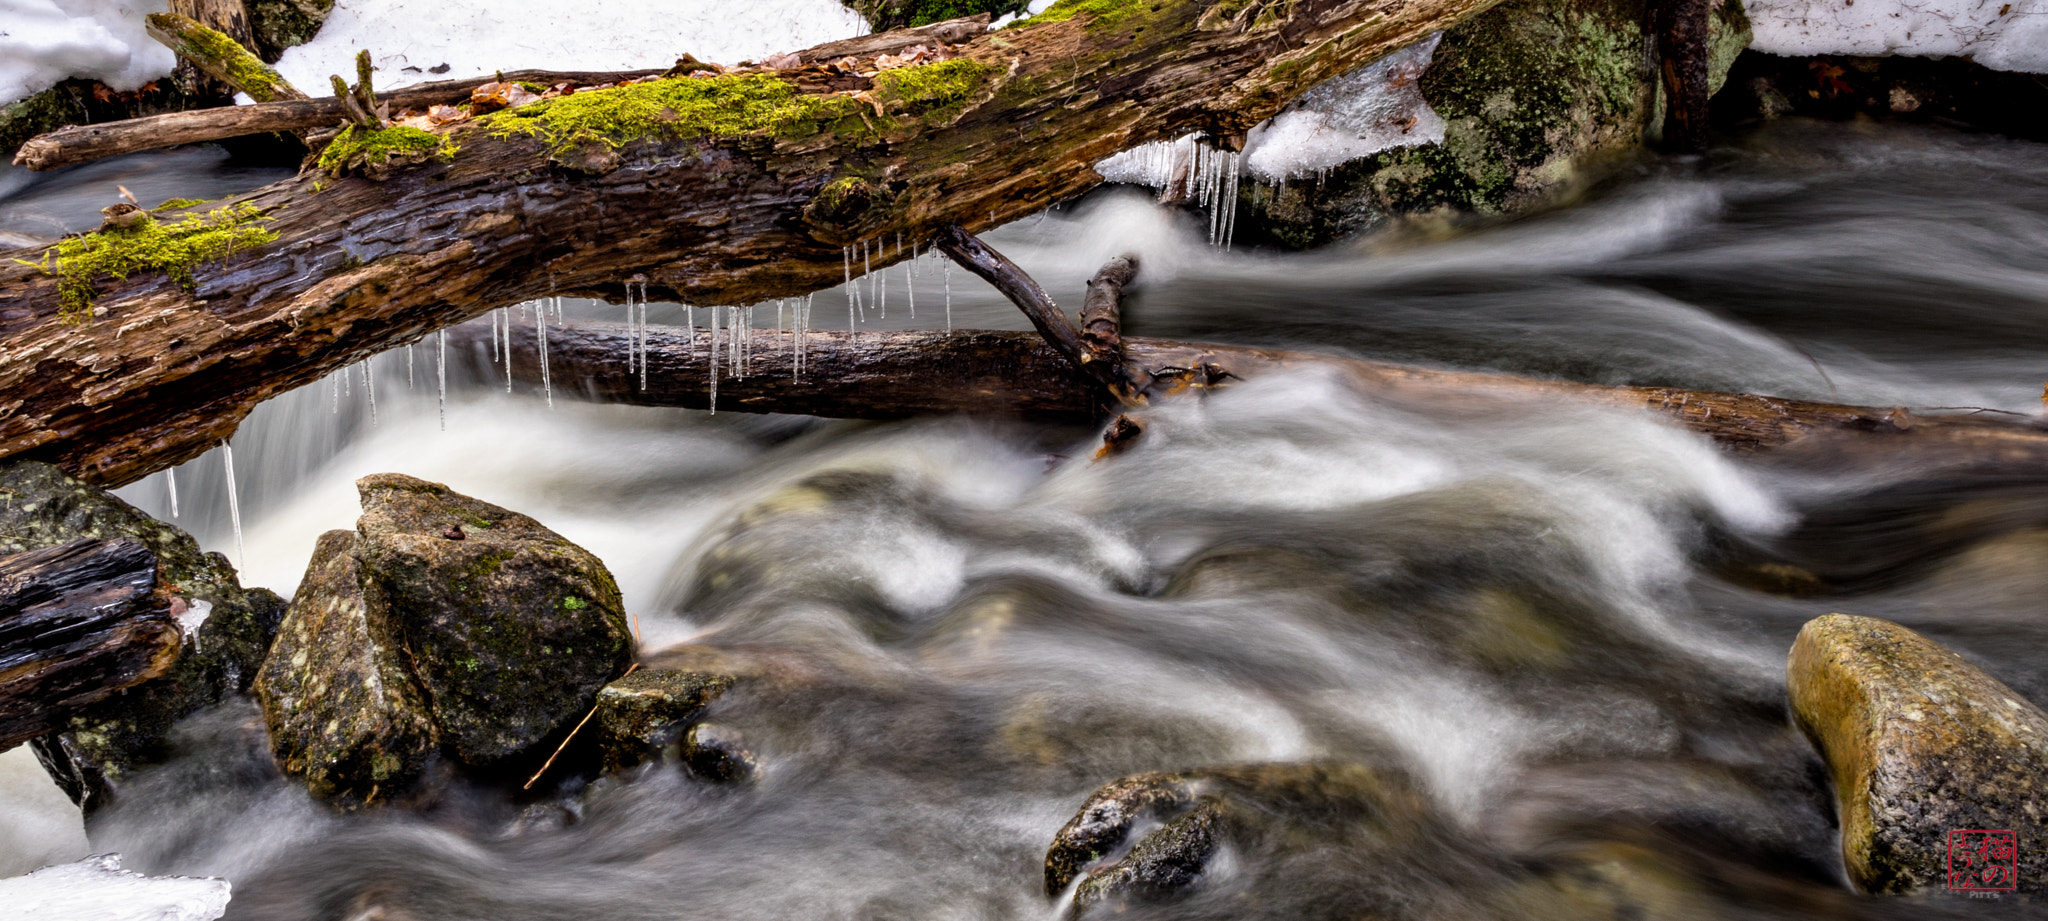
(571, 737)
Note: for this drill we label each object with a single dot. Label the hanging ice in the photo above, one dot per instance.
(227, 453)
(948, 267)
(713, 362)
(171, 481)
(370, 387)
(547, 385)
(441, 368)
(408, 367)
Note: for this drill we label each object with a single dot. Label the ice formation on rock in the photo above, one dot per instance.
(1999, 34)
(97, 889)
(44, 41)
(1376, 107)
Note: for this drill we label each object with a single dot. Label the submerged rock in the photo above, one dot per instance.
(443, 624)
(1921, 744)
(228, 629)
(343, 714)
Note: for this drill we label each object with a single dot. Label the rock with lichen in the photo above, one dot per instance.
(509, 629)
(442, 626)
(1540, 98)
(648, 715)
(1919, 743)
(343, 714)
(228, 628)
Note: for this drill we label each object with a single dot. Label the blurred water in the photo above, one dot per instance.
(1548, 616)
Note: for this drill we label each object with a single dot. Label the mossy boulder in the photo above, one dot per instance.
(1540, 98)
(343, 714)
(883, 15)
(41, 506)
(1919, 743)
(507, 627)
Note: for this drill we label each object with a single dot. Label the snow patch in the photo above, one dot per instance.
(1999, 34)
(97, 889)
(412, 41)
(44, 41)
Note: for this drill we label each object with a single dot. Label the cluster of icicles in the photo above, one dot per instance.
(1207, 175)
(730, 328)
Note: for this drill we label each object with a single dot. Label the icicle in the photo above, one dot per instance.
(540, 315)
(849, 289)
(632, 335)
(334, 393)
(227, 453)
(948, 264)
(713, 362)
(370, 387)
(643, 335)
(494, 335)
(171, 480)
(441, 368)
(409, 382)
(910, 285)
(867, 269)
(1230, 200)
(883, 303)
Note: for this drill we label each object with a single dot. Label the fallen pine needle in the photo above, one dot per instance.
(570, 738)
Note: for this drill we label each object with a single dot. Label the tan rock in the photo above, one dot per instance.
(1919, 743)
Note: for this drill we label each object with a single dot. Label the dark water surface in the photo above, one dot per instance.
(1557, 634)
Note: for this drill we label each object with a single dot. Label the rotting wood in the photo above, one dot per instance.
(950, 32)
(1683, 31)
(78, 623)
(1102, 314)
(228, 17)
(734, 216)
(895, 375)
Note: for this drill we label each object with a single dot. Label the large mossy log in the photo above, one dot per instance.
(78, 623)
(751, 190)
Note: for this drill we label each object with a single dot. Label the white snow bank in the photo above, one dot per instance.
(1376, 107)
(410, 39)
(97, 889)
(44, 41)
(1999, 34)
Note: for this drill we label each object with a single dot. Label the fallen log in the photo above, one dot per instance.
(894, 375)
(754, 189)
(78, 623)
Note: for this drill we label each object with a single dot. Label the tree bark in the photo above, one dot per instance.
(163, 373)
(78, 623)
(1683, 30)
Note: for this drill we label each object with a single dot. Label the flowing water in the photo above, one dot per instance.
(1567, 626)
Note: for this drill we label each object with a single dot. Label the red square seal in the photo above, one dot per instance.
(1983, 861)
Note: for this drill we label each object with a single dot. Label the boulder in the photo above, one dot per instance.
(1920, 744)
(1540, 98)
(443, 624)
(508, 627)
(228, 628)
(343, 714)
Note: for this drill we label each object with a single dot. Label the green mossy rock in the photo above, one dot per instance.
(509, 629)
(1919, 743)
(343, 714)
(281, 24)
(883, 15)
(41, 506)
(1540, 98)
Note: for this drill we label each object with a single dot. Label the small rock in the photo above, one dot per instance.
(343, 715)
(1919, 743)
(646, 714)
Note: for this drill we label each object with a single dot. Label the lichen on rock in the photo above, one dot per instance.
(1919, 743)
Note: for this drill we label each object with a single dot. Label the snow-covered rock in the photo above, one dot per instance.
(97, 889)
(415, 40)
(1999, 34)
(1376, 107)
(44, 41)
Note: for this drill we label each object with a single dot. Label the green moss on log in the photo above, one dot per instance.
(677, 108)
(357, 147)
(245, 71)
(1101, 13)
(173, 249)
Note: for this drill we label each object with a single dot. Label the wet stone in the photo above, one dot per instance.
(343, 715)
(101, 745)
(646, 715)
(510, 632)
(1919, 744)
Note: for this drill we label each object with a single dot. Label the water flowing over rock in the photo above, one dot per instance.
(41, 506)
(444, 623)
(1920, 744)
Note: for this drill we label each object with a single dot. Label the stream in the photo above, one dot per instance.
(1568, 626)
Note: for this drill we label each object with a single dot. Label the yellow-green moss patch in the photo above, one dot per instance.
(172, 248)
(1102, 12)
(357, 147)
(932, 89)
(681, 107)
(246, 71)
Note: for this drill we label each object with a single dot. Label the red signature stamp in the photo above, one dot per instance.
(1983, 861)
